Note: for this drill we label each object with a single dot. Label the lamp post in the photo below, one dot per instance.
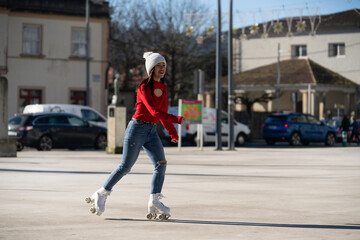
(218, 141)
(87, 54)
(231, 144)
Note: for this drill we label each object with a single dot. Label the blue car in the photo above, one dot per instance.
(297, 128)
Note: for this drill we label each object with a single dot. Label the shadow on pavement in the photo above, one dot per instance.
(150, 173)
(226, 223)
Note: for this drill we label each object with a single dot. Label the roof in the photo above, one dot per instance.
(292, 71)
(63, 7)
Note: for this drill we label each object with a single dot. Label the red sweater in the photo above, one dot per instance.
(151, 108)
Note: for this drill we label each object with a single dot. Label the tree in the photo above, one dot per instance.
(157, 26)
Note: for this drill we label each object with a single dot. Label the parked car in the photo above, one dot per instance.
(297, 128)
(46, 131)
(86, 113)
(189, 131)
(336, 123)
(13, 125)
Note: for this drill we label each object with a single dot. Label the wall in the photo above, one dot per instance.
(3, 42)
(56, 72)
(258, 52)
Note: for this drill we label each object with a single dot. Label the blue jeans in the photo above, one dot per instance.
(139, 135)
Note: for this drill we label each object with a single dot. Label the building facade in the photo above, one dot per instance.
(335, 47)
(43, 52)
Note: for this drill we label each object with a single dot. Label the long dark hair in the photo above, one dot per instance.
(149, 81)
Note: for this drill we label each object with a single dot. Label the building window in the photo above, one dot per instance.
(78, 42)
(32, 40)
(336, 49)
(29, 96)
(78, 97)
(299, 51)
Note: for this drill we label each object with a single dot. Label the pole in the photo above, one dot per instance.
(179, 126)
(278, 81)
(87, 103)
(231, 144)
(309, 99)
(218, 141)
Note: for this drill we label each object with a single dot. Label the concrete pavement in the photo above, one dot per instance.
(251, 193)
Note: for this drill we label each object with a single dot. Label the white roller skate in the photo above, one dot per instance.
(98, 200)
(156, 207)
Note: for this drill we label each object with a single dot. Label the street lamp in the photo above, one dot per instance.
(87, 49)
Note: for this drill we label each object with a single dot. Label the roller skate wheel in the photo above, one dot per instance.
(150, 216)
(88, 200)
(163, 217)
(93, 210)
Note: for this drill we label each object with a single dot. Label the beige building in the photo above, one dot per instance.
(43, 52)
(325, 79)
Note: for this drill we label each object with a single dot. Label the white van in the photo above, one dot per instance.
(87, 113)
(189, 131)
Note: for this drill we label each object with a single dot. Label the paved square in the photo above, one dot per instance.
(252, 193)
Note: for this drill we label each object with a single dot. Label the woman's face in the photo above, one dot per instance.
(159, 71)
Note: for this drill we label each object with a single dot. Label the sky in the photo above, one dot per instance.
(248, 12)
(327, 6)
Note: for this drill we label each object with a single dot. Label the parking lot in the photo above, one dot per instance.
(255, 192)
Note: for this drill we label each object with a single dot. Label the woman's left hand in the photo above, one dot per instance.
(174, 140)
(183, 120)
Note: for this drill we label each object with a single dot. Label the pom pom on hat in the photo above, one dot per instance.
(151, 59)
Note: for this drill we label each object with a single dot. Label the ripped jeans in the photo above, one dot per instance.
(139, 135)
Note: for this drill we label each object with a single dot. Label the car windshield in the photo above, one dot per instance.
(89, 115)
(276, 119)
(18, 120)
(333, 123)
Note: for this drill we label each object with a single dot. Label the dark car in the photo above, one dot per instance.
(45, 131)
(297, 128)
(13, 125)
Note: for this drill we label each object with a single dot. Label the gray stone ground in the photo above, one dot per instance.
(252, 193)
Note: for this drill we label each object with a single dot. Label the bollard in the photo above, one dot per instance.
(344, 138)
(116, 129)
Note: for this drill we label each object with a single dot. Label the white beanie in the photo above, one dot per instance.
(151, 59)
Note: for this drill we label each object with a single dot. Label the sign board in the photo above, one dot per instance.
(191, 110)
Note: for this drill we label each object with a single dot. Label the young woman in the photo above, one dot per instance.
(151, 106)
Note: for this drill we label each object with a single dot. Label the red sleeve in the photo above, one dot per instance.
(147, 100)
(169, 126)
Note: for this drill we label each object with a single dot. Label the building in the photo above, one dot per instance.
(302, 56)
(43, 52)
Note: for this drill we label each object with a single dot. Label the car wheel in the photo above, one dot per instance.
(330, 139)
(240, 139)
(19, 146)
(45, 143)
(270, 142)
(101, 142)
(295, 139)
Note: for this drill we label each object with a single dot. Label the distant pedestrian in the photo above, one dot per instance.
(345, 125)
(355, 131)
(141, 133)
